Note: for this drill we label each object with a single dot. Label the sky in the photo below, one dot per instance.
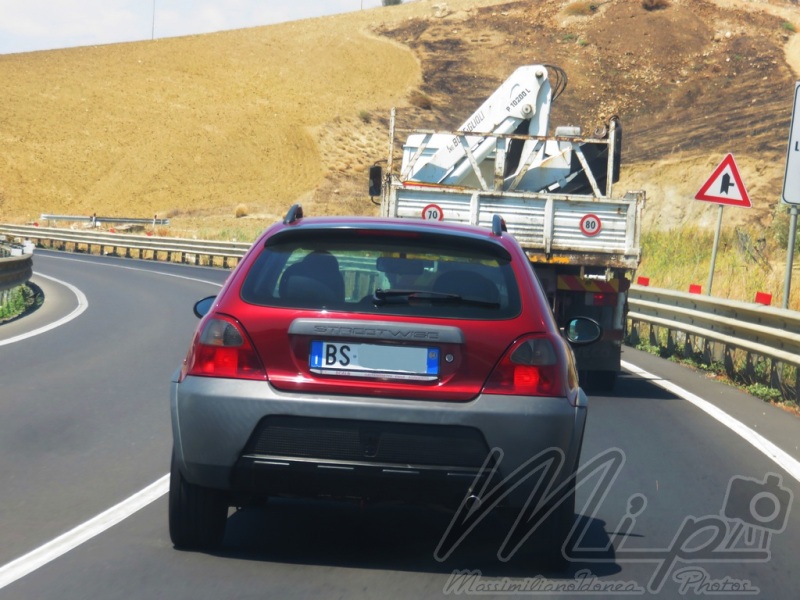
(30, 25)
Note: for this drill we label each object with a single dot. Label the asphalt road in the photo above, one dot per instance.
(84, 425)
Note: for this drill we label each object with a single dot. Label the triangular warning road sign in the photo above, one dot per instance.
(725, 186)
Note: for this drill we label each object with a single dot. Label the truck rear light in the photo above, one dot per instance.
(222, 349)
(531, 367)
(602, 299)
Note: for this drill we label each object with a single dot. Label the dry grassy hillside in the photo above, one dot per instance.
(195, 128)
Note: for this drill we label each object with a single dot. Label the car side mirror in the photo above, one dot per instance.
(582, 331)
(202, 307)
(375, 180)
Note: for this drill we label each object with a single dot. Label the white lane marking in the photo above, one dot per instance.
(33, 560)
(778, 456)
(73, 538)
(83, 304)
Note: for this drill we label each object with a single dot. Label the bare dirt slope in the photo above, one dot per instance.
(194, 127)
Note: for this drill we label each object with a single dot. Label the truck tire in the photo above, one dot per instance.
(598, 381)
(605, 380)
(197, 515)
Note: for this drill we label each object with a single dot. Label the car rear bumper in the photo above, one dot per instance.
(225, 431)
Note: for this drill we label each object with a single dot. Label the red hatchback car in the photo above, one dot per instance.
(381, 359)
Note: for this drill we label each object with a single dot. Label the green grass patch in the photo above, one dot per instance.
(17, 301)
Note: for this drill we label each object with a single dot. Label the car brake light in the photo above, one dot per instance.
(531, 367)
(223, 350)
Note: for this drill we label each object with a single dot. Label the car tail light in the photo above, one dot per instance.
(531, 367)
(222, 349)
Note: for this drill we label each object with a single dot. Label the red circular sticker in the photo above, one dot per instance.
(433, 212)
(591, 225)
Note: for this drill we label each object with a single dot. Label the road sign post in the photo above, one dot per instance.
(725, 186)
(791, 191)
(787, 284)
(714, 251)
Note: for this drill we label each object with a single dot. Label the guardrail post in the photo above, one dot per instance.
(654, 341)
(749, 368)
(670, 341)
(775, 380)
(796, 384)
(712, 352)
(689, 345)
(730, 367)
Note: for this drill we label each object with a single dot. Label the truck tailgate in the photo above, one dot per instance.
(560, 228)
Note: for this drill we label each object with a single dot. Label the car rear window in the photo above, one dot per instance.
(435, 276)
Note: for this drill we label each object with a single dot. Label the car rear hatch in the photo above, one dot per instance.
(382, 312)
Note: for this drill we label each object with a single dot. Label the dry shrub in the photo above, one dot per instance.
(654, 4)
(420, 100)
(241, 211)
(581, 9)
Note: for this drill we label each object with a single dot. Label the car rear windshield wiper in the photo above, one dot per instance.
(399, 296)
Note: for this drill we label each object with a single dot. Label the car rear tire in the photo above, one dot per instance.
(544, 548)
(555, 531)
(197, 515)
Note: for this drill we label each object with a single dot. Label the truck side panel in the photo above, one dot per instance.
(545, 225)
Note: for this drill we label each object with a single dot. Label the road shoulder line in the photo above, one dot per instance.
(778, 456)
(18, 568)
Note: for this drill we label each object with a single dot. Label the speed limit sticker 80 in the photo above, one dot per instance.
(591, 225)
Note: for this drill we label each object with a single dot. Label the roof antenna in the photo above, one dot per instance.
(295, 214)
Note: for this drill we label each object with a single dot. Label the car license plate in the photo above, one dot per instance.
(373, 360)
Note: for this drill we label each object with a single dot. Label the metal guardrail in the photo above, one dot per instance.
(96, 219)
(723, 326)
(764, 330)
(15, 270)
(184, 250)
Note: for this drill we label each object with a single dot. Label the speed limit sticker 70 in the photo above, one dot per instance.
(591, 225)
(433, 212)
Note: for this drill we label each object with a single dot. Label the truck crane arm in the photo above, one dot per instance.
(525, 96)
